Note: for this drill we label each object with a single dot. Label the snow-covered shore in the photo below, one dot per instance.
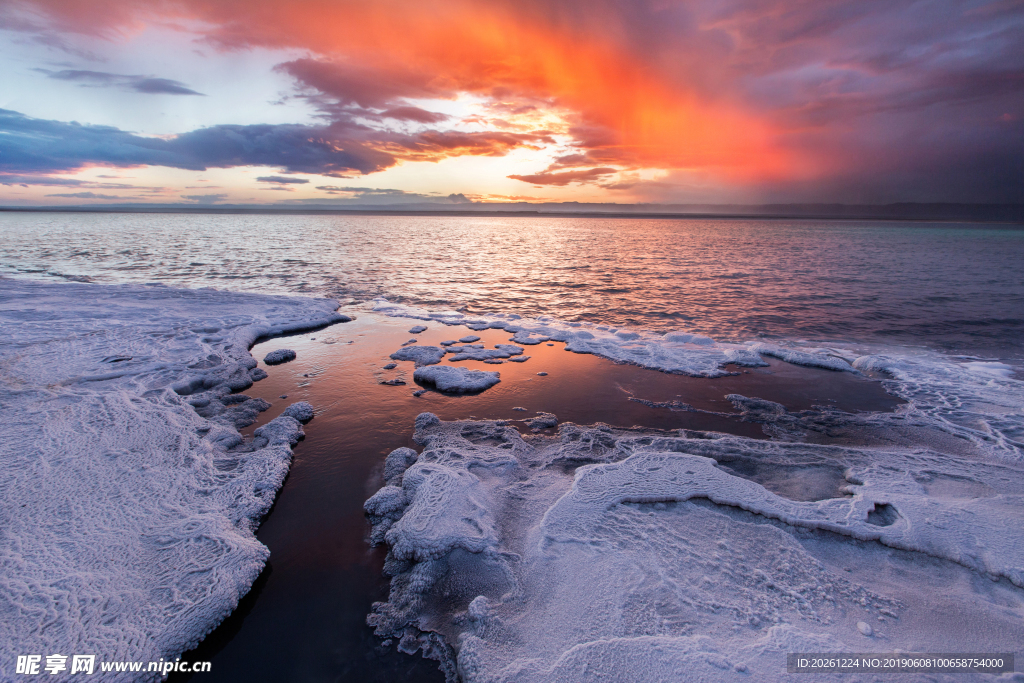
(603, 553)
(616, 554)
(128, 499)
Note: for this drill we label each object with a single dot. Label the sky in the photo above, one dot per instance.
(303, 102)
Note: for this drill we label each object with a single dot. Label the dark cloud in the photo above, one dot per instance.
(29, 145)
(204, 198)
(282, 180)
(344, 194)
(26, 180)
(85, 195)
(416, 114)
(30, 180)
(563, 178)
(149, 85)
(340, 85)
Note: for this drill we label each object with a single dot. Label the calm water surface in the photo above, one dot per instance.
(951, 286)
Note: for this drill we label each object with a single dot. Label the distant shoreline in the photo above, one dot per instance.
(981, 213)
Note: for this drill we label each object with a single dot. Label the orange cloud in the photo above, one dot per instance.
(616, 106)
(563, 178)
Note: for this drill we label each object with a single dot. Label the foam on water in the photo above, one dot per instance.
(130, 498)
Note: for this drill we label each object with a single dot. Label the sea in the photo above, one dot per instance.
(954, 287)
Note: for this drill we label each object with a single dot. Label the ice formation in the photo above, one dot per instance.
(301, 411)
(129, 496)
(478, 352)
(279, 356)
(420, 355)
(620, 554)
(681, 353)
(456, 380)
(416, 329)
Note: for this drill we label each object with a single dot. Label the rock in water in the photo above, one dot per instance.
(279, 356)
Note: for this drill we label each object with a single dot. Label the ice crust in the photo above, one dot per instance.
(681, 353)
(129, 497)
(301, 411)
(478, 352)
(615, 554)
(279, 356)
(456, 380)
(421, 355)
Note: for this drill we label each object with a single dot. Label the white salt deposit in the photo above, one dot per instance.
(128, 517)
(985, 409)
(420, 355)
(456, 380)
(416, 329)
(478, 352)
(683, 353)
(614, 554)
(301, 411)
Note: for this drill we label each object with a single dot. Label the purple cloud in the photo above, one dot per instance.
(149, 85)
(282, 180)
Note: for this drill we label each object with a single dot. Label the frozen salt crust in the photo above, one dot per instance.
(456, 380)
(279, 356)
(613, 554)
(130, 499)
(301, 411)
